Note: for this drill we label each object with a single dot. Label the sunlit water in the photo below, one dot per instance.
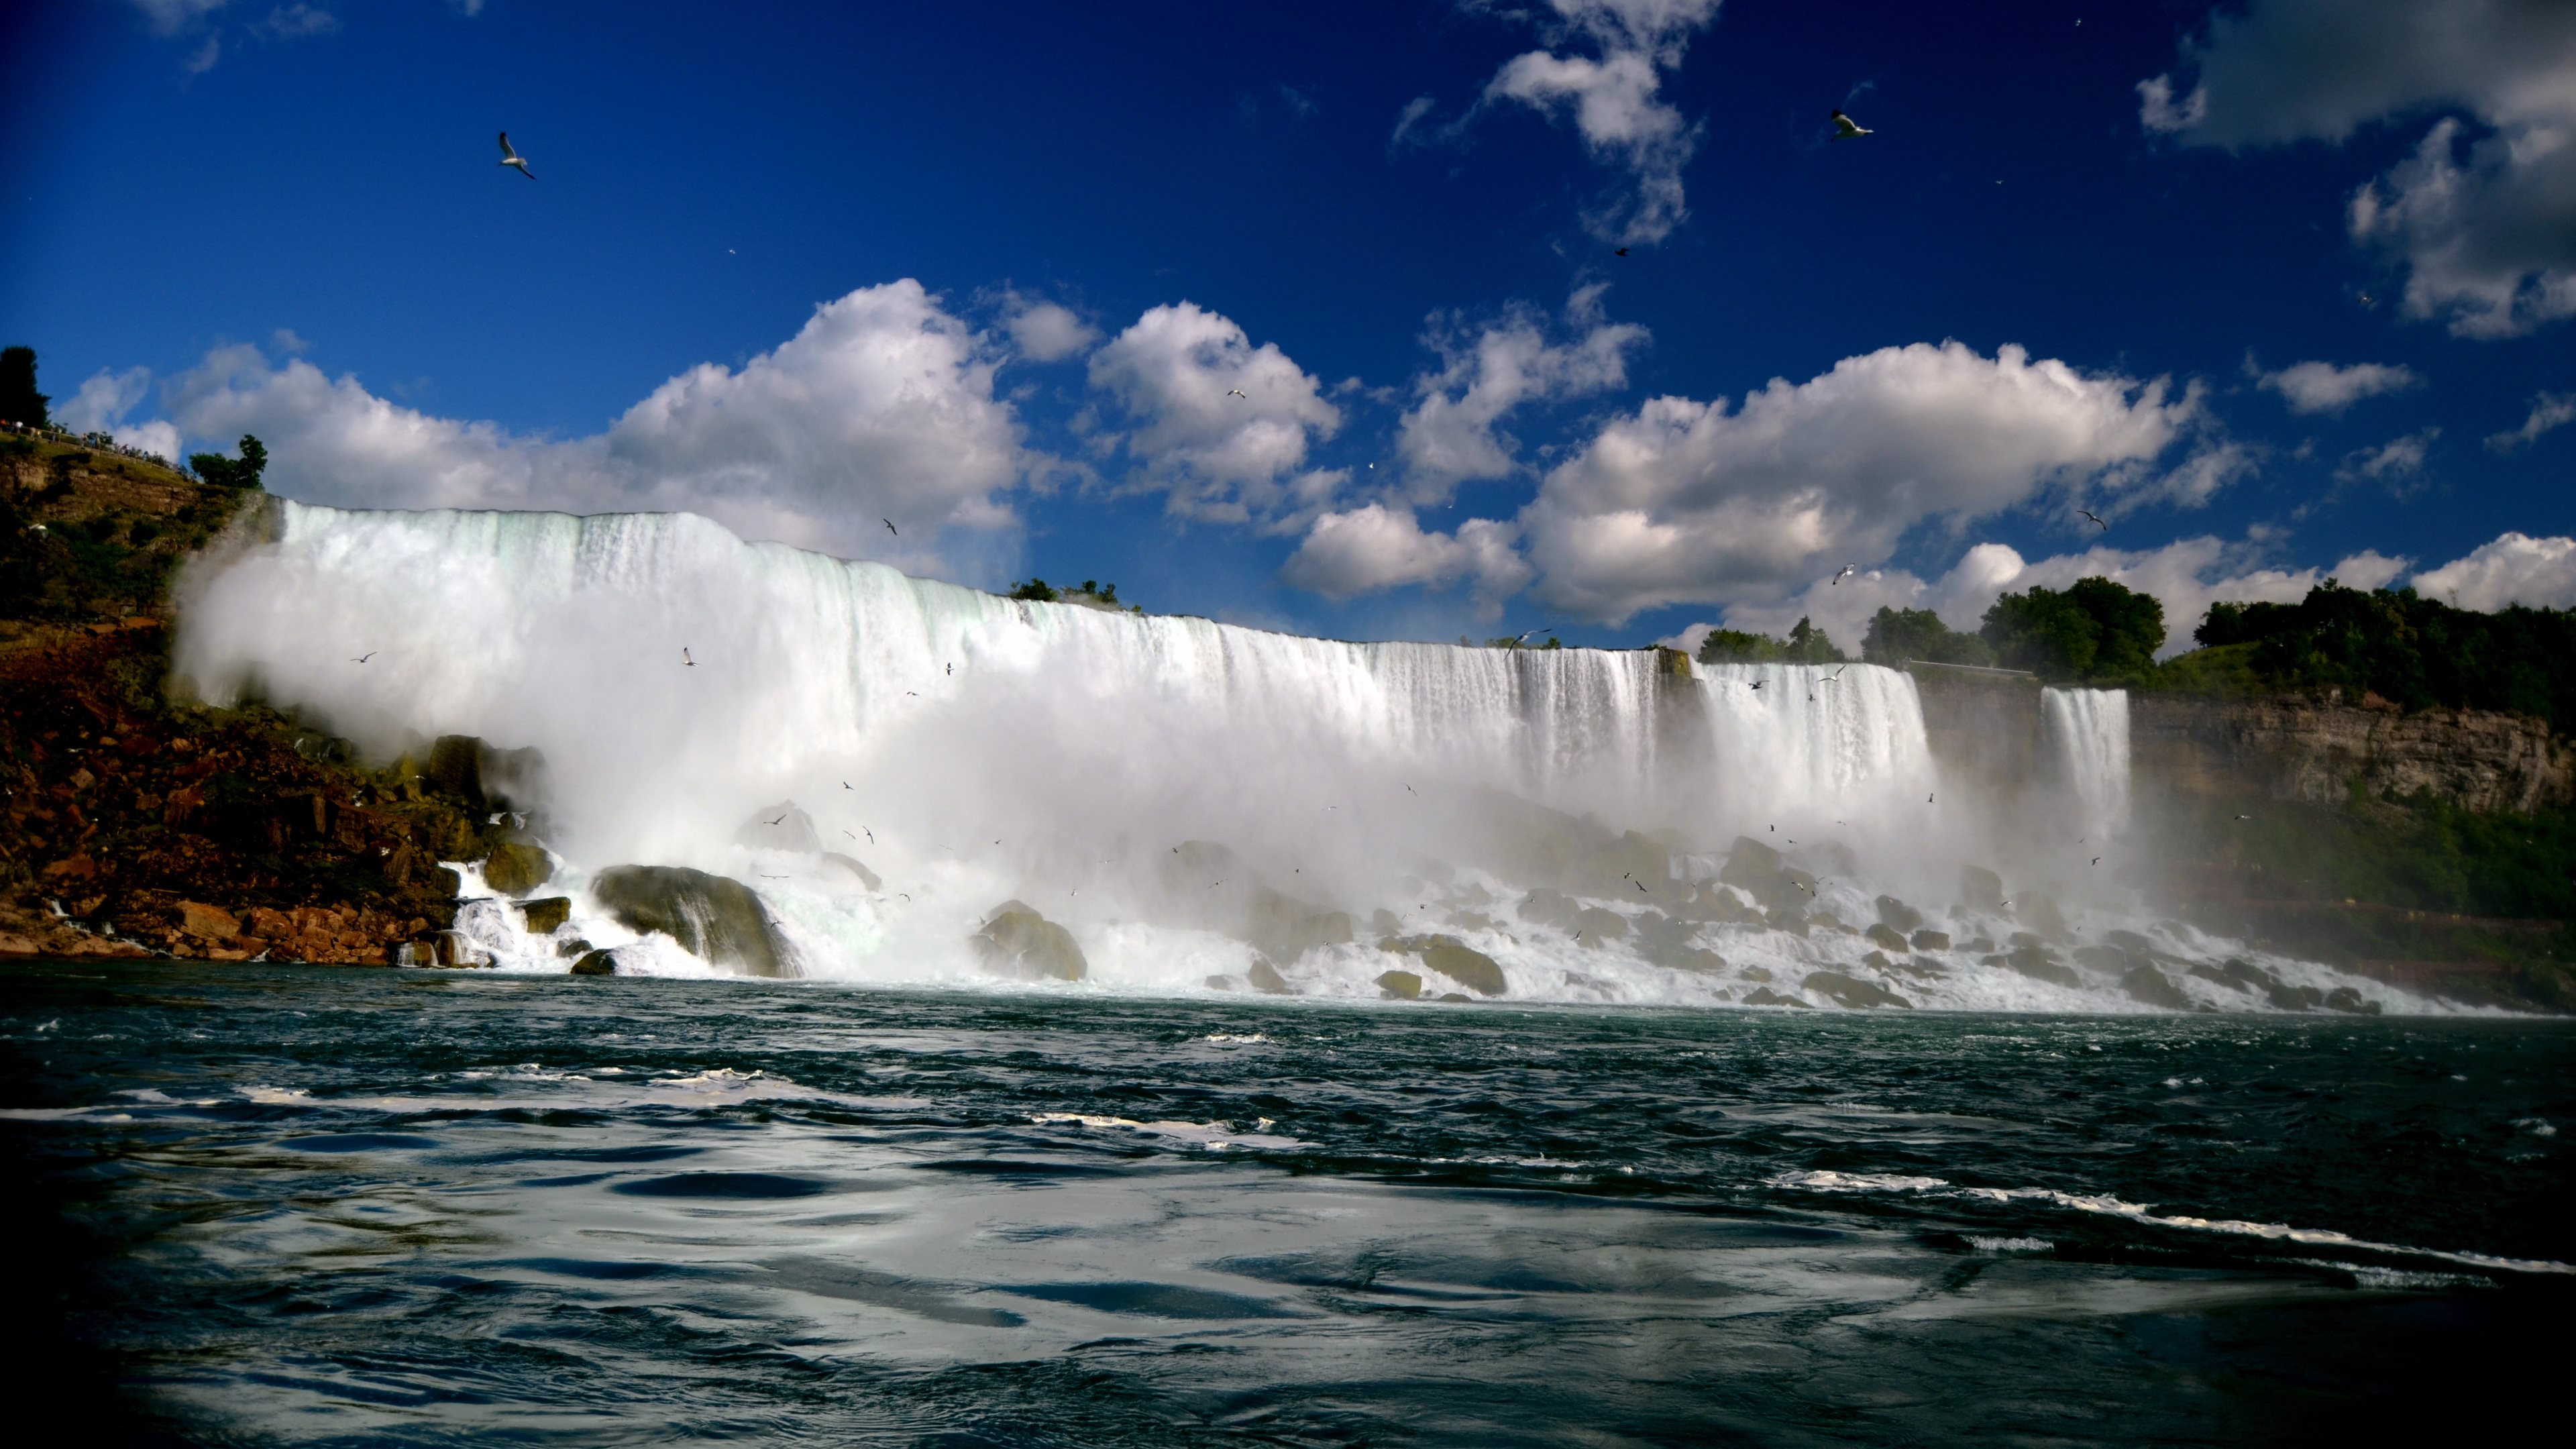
(272, 1205)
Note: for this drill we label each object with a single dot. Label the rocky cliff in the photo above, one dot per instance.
(2291, 747)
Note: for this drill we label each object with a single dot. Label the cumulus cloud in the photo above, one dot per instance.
(1686, 501)
(1043, 331)
(2516, 568)
(882, 406)
(101, 406)
(2396, 461)
(2487, 232)
(1223, 458)
(1614, 98)
(1376, 547)
(2549, 410)
(2322, 387)
(2186, 576)
(1450, 436)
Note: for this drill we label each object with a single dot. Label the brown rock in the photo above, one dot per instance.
(208, 923)
(544, 916)
(1400, 985)
(515, 869)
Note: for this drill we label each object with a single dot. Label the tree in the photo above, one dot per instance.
(1806, 644)
(2095, 629)
(19, 400)
(223, 472)
(1036, 591)
(1896, 635)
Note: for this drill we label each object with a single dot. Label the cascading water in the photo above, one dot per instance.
(966, 750)
(2087, 733)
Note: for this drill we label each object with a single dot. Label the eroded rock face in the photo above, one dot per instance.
(1452, 958)
(514, 868)
(2295, 748)
(1851, 991)
(1887, 938)
(1896, 915)
(719, 921)
(2151, 987)
(545, 917)
(1021, 944)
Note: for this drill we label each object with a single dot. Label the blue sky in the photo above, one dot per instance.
(2274, 290)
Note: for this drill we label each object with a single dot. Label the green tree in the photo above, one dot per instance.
(19, 400)
(2410, 650)
(1806, 644)
(1037, 591)
(2095, 629)
(224, 472)
(1896, 635)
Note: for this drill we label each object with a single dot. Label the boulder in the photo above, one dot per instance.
(1400, 985)
(545, 916)
(1888, 938)
(596, 963)
(208, 923)
(516, 869)
(2131, 942)
(1754, 973)
(780, 827)
(2036, 963)
(1749, 863)
(719, 921)
(861, 873)
(2042, 913)
(2294, 998)
(572, 946)
(2344, 998)
(1697, 959)
(1452, 958)
(1929, 940)
(1544, 907)
(1285, 928)
(1265, 978)
(1787, 918)
(1980, 889)
(1597, 924)
(2150, 987)
(1765, 996)
(1851, 991)
(2109, 960)
(486, 777)
(1897, 915)
(1018, 943)
(1712, 901)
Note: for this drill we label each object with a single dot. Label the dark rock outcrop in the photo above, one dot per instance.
(1452, 958)
(545, 917)
(2293, 747)
(1930, 940)
(515, 868)
(2151, 987)
(1896, 915)
(1021, 944)
(1851, 991)
(1400, 985)
(719, 921)
(1887, 938)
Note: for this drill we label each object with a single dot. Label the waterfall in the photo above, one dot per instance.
(2087, 737)
(967, 750)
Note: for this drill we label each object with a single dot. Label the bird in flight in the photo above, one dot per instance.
(1523, 638)
(1848, 571)
(890, 528)
(1237, 392)
(781, 816)
(1927, 799)
(2097, 518)
(2097, 860)
(1830, 678)
(511, 157)
(1757, 684)
(1623, 251)
(363, 658)
(845, 784)
(685, 659)
(1847, 129)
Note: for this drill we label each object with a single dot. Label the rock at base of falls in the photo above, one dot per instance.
(719, 921)
(596, 963)
(516, 868)
(1761, 873)
(2150, 987)
(1765, 996)
(1888, 938)
(2344, 998)
(1020, 944)
(1597, 924)
(1929, 940)
(1545, 907)
(2035, 962)
(1896, 915)
(1265, 978)
(1400, 985)
(1980, 889)
(782, 826)
(1851, 991)
(1452, 958)
(545, 917)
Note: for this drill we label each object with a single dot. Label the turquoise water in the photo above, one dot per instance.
(290, 1205)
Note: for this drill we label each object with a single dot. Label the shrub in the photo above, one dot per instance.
(1806, 644)
(224, 472)
(1036, 590)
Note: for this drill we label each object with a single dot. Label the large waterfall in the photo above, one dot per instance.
(2087, 733)
(689, 691)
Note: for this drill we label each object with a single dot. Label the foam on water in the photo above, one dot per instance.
(681, 683)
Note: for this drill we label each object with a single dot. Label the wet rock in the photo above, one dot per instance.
(545, 916)
(719, 921)
(1896, 915)
(1919, 970)
(2285, 997)
(1455, 996)
(573, 946)
(1463, 920)
(2042, 913)
(1888, 938)
(1265, 978)
(782, 826)
(1596, 924)
(2344, 998)
(1830, 855)
(1544, 907)
(1824, 920)
(1400, 985)
(596, 963)
(1384, 922)
(516, 869)
(2150, 987)
(2036, 963)
(1787, 918)
(487, 778)
(1286, 928)
(858, 872)
(456, 949)
(1754, 973)
(208, 923)
(2109, 960)
(1714, 902)
(1021, 944)
(1980, 889)
(2131, 942)
(1697, 959)
(1452, 958)
(1765, 996)
(1851, 991)
(1222, 983)
(1929, 940)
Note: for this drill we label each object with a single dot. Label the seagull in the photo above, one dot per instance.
(781, 816)
(853, 837)
(2244, 817)
(845, 784)
(1237, 392)
(1523, 638)
(1623, 251)
(1757, 684)
(1830, 678)
(1409, 790)
(1847, 129)
(511, 157)
(1848, 571)
(1927, 799)
(952, 666)
(890, 528)
(905, 895)
(1641, 887)
(2097, 518)
(872, 835)
(363, 658)
(2097, 860)
(685, 659)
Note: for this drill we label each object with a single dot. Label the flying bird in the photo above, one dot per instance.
(1847, 129)
(890, 528)
(1237, 392)
(845, 784)
(1757, 684)
(1623, 251)
(2097, 860)
(2244, 817)
(511, 157)
(1927, 799)
(685, 659)
(1848, 571)
(363, 658)
(1641, 887)
(1523, 638)
(781, 816)
(1830, 678)
(2097, 518)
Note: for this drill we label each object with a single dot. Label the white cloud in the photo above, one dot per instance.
(1690, 502)
(2394, 462)
(102, 403)
(1375, 547)
(2489, 242)
(1224, 458)
(1615, 101)
(2516, 568)
(1409, 120)
(169, 17)
(295, 22)
(1449, 435)
(2322, 387)
(881, 406)
(1045, 331)
(204, 57)
(2549, 410)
